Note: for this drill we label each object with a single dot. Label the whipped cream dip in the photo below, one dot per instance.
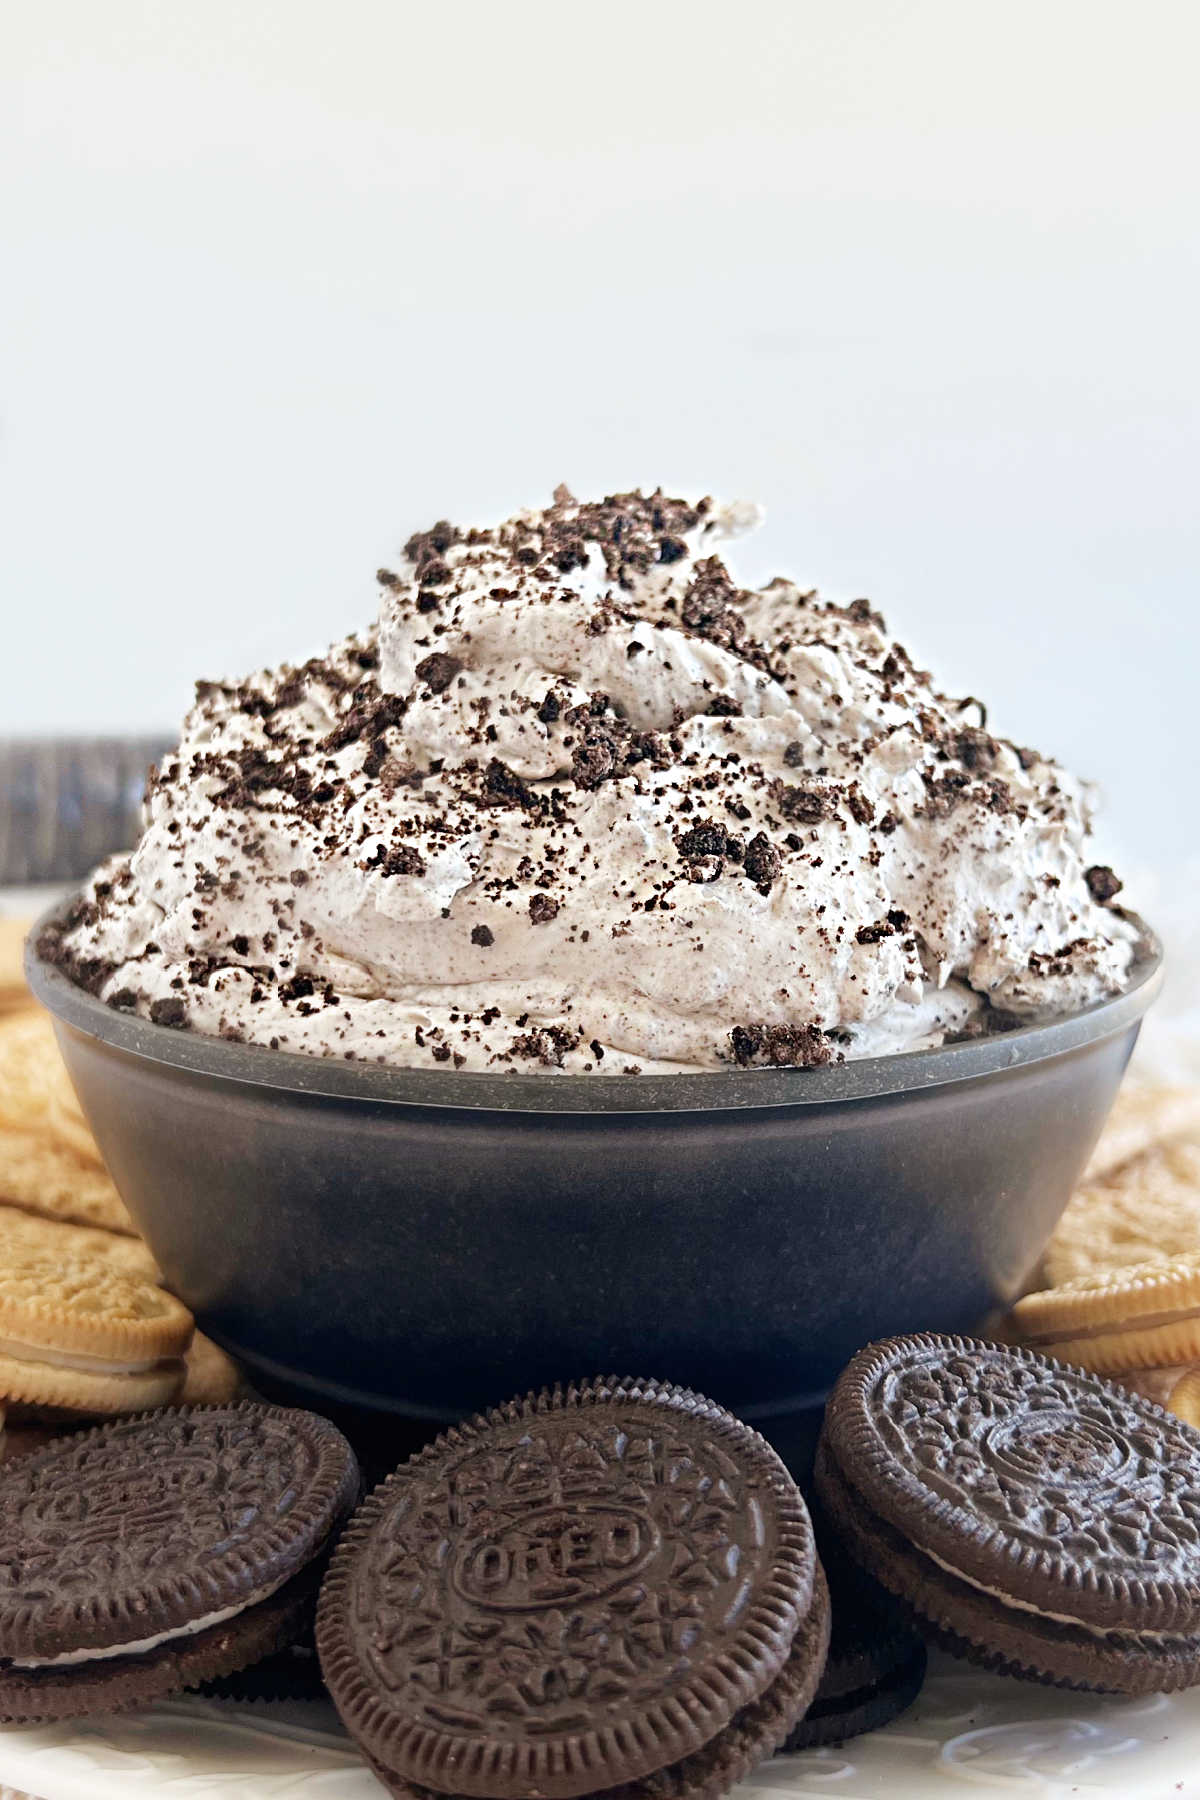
(579, 800)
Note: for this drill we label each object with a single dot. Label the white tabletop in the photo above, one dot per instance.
(968, 1734)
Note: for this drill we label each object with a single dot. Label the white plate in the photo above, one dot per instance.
(969, 1734)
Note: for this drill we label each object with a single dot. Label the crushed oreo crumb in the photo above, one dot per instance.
(1103, 885)
(170, 1012)
(781, 1046)
(438, 671)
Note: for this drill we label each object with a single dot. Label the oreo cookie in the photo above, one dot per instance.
(611, 1586)
(1035, 1518)
(156, 1553)
(876, 1663)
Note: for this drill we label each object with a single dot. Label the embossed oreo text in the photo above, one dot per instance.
(554, 1558)
(552, 1572)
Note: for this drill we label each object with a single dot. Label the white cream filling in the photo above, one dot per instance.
(1099, 1631)
(79, 1359)
(99, 1653)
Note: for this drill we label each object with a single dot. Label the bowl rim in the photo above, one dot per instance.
(868, 1078)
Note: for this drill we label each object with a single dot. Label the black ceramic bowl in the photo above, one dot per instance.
(427, 1242)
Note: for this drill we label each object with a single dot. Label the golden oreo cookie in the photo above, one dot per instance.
(1141, 1118)
(14, 994)
(53, 1181)
(79, 1338)
(1146, 1211)
(1145, 1317)
(1152, 1384)
(26, 1234)
(1184, 1398)
(212, 1378)
(35, 1090)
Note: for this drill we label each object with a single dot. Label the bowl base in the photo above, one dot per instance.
(385, 1433)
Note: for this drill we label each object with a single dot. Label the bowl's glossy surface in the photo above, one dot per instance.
(428, 1242)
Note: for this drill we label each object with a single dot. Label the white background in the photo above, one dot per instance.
(282, 280)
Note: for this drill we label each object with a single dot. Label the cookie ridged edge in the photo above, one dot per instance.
(912, 1508)
(1120, 1298)
(751, 1736)
(840, 1717)
(1005, 1639)
(89, 1392)
(102, 1620)
(38, 1320)
(123, 1683)
(1116, 1353)
(602, 1756)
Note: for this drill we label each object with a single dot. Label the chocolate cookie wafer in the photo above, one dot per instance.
(609, 1586)
(291, 1674)
(25, 1440)
(1036, 1518)
(876, 1663)
(155, 1553)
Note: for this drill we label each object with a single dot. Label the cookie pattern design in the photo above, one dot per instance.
(532, 1581)
(149, 1503)
(1065, 1465)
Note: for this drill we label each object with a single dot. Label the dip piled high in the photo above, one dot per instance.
(579, 800)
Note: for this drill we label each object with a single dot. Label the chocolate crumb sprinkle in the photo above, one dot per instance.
(1103, 885)
(170, 1012)
(781, 1046)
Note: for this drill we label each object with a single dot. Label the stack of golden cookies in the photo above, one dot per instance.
(1120, 1277)
(87, 1328)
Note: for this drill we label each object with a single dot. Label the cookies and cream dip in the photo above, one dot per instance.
(580, 800)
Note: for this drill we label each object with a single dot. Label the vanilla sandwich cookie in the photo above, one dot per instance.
(35, 1090)
(1144, 1317)
(14, 995)
(55, 1182)
(212, 1378)
(1142, 1117)
(25, 1234)
(1184, 1397)
(1148, 1210)
(79, 1338)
